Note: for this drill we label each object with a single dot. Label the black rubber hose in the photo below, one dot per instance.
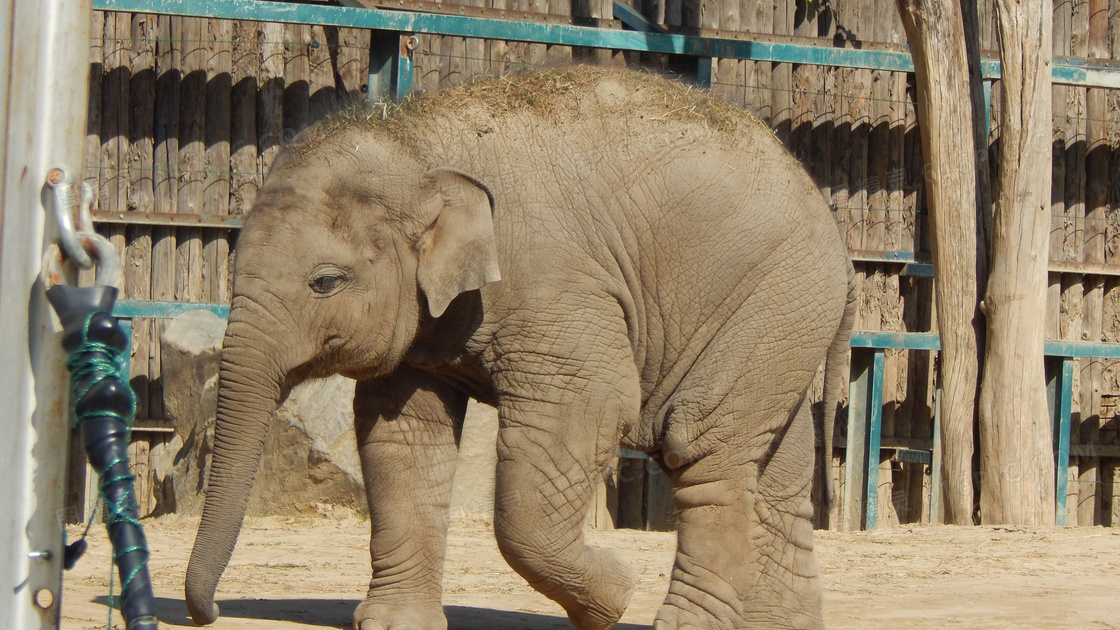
(104, 407)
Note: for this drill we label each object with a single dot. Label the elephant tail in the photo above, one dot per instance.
(834, 366)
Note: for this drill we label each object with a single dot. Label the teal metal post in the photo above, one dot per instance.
(126, 328)
(874, 436)
(390, 66)
(1061, 396)
(987, 107)
(704, 72)
(404, 60)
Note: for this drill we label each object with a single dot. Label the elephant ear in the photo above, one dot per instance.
(457, 252)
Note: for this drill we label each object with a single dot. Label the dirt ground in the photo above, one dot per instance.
(310, 572)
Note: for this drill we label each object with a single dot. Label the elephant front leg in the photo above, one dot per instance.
(557, 429)
(542, 495)
(407, 439)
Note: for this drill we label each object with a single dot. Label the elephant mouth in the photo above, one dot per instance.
(363, 373)
(339, 357)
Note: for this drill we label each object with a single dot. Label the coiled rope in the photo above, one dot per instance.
(104, 407)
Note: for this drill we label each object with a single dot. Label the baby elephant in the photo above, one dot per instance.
(609, 258)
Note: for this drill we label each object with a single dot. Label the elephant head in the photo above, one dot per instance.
(341, 259)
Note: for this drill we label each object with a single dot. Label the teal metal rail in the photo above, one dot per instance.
(866, 403)
(1067, 71)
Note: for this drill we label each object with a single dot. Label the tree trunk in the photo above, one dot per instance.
(1016, 453)
(935, 30)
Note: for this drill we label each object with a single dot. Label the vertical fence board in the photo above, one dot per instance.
(92, 171)
(166, 140)
(270, 99)
(166, 131)
(352, 61)
(1060, 223)
(474, 66)
(138, 250)
(757, 75)
(324, 95)
(721, 15)
(497, 50)
(1075, 248)
(841, 157)
(142, 96)
(141, 193)
(297, 80)
(219, 84)
(452, 50)
(114, 107)
(192, 158)
(114, 121)
(243, 117)
(1096, 186)
(557, 54)
(1110, 429)
(781, 74)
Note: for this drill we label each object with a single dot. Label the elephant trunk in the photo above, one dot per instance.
(250, 385)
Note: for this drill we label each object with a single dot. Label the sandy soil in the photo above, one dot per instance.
(310, 572)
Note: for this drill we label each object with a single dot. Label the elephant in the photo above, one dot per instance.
(609, 257)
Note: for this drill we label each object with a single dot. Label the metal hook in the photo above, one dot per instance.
(109, 271)
(85, 215)
(61, 183)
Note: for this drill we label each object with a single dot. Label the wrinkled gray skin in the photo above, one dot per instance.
(663, 286)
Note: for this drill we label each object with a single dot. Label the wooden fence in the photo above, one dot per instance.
(1085, 254)
(187, 114)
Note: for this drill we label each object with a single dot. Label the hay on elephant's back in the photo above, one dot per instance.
(553, 94)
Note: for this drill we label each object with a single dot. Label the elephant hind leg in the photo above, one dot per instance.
(745, 539)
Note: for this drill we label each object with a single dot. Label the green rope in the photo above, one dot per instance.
(93, 363)
(112, 578)
(98, 362)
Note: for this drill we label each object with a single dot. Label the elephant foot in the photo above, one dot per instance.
(693, 606)
(711, 615)
(673, 618)
(375, 614)
(730, 584)
(607, 592)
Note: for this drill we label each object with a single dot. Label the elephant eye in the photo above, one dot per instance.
(327, 281)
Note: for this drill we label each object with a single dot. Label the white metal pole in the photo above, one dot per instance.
(44, 66)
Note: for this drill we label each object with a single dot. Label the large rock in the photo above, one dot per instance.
(310, 458)
(191, 350)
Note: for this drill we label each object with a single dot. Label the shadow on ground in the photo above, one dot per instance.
(336, 613)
